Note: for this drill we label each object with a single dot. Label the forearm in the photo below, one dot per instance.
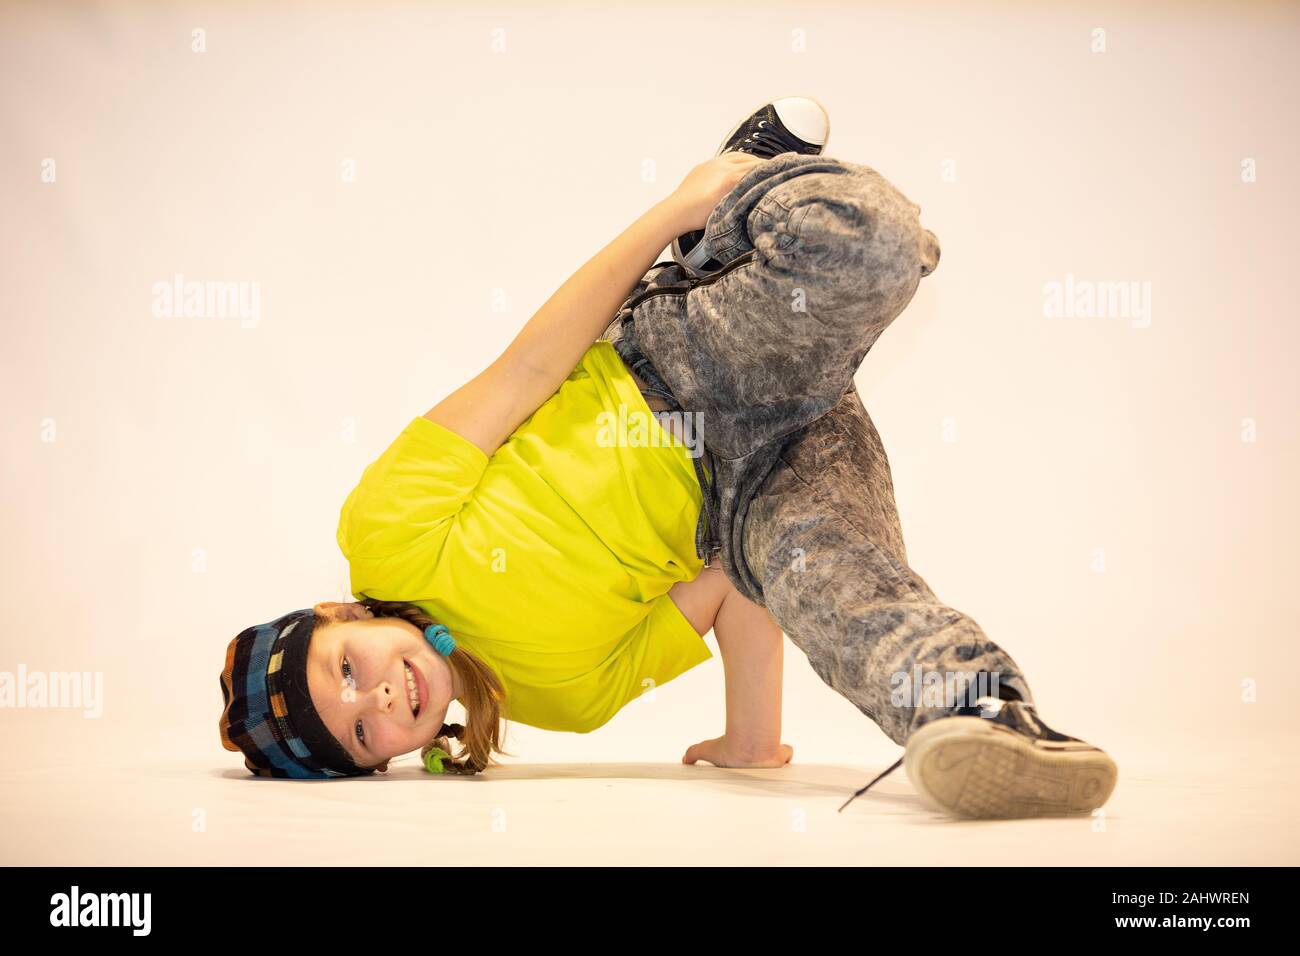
(752, 647)
(553, 341)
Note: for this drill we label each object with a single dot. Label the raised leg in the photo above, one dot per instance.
(819, 255)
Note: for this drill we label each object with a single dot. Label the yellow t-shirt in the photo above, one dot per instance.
(552, 559)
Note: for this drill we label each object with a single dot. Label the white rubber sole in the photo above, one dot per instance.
(972, 767)
(693, 262)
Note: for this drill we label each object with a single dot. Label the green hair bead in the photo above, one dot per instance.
(433, 758)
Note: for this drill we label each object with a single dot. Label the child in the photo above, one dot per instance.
(556, 553)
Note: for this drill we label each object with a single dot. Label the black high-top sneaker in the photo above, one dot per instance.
(997, 758)
(791, 124)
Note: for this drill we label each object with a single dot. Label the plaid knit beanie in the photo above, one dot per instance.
(267, 711)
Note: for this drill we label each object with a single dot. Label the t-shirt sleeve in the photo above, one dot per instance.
(420, 482)
(669, 646)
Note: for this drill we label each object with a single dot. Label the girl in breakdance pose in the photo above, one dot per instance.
(558, 534)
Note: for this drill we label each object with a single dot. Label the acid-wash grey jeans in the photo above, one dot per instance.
(818, 256)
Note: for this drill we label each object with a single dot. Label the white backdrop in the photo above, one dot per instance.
(1111, 496)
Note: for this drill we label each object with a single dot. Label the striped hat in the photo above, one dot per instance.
(267, 710)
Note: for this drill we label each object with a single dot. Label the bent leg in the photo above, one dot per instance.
(819, 255)
(823, 539)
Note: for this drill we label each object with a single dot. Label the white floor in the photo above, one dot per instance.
(1175, 806)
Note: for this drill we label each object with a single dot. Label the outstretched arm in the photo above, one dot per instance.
(488, 408)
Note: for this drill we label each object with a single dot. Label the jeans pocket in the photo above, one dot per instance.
(781, 225)
(792, 231)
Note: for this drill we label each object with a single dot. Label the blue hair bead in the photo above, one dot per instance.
(440, 638)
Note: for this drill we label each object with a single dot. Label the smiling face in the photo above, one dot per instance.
(377, 684)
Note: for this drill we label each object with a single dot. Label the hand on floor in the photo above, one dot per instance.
(722, 752)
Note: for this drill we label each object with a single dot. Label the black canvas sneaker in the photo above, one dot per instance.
(997, 759)
(797, 124)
